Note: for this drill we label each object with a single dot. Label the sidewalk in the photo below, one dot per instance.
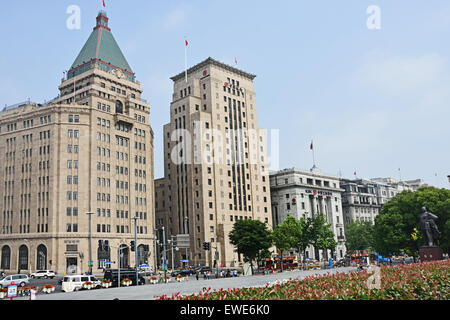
(193, 286)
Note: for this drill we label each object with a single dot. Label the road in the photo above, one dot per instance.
(193, 286)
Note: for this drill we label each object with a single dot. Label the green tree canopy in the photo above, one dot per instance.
(250, 237)
(394, 226)
(321, 235)
(359, 236)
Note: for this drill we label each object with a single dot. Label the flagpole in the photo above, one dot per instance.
(314, 158)
(185, 59)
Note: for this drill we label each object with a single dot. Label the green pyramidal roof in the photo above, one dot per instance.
(101, 49)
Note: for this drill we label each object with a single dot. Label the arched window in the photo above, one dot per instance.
(6, 258)
(142, 255)
(23, 257)
(124, 256)
(41, 263)
(119, 107)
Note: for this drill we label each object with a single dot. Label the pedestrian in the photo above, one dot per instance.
(196, 275)
(33, 292)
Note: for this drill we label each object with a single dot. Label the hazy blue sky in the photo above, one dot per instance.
(372, 100)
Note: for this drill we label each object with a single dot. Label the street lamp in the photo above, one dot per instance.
(186, 231)
(136, 248)
(90, 263)
(155, 240)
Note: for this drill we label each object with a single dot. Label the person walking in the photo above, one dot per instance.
(196, 275)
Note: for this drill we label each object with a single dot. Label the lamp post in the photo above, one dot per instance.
(164, 255)
(155, 240)
(171, 241)
(90, 241)
(136, 248)
(186, 231)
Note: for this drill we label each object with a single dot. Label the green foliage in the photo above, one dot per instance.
(359, 236)
(419, 281)
(250, 237)
(321, 235)
(394, 226)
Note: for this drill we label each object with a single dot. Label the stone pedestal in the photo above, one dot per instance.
(430, 254)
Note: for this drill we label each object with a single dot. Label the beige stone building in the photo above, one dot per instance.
(89, 150)
(215, 162)
(306, 194)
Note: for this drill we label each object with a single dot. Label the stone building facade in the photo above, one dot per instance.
(215, 161)
(89, 150)
(305, 194)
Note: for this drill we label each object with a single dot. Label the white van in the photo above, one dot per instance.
(75, 283)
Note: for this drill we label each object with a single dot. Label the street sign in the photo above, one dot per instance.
(12, 291)
(183, 241)
(144, 266)
(109, 262)
(90, 263)
(184, 260)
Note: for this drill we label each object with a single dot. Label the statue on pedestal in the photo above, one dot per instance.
(428, 227)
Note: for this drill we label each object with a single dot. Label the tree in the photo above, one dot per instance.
(359, 236)
(285, 236)
(251, 238)
(394, 230)
(321, 235)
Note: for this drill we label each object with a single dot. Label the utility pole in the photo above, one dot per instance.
(118, 270)
(136, 249)
(186, 231)
(171, 244)
(90, 241)
(154, 245)
(164, 255)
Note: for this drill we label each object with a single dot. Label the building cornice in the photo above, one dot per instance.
(211, 61)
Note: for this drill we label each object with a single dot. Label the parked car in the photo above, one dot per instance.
(75, 282)
(20, 279)
(203, 269)
(183, 273)
(113, 275)
(43, 274)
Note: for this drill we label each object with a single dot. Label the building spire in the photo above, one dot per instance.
(102, 20)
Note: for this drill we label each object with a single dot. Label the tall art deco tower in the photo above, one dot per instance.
(88, 151)
(216, 166)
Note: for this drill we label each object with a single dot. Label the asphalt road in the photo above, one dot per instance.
(193, 286)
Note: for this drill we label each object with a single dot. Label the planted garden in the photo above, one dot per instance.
(420, 281)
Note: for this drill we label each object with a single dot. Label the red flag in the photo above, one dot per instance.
(187, 43)
(311, 147)
(235, 60)
(354, 173)
(104, 3)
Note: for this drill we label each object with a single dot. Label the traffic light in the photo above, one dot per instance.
(206, 245)
(133, 246)
(106, 245)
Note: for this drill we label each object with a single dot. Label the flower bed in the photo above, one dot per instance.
(106, 283)
(88, 285)
(126, 282)
(420, 281)
(48, 288)
(2, 293)
(153, 280)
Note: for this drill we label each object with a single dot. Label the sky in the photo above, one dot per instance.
(373, 100)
